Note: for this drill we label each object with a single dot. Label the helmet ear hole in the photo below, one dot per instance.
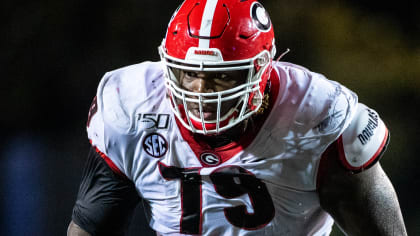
(263, 60)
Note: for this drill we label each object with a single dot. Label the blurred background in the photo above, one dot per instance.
(53, 54)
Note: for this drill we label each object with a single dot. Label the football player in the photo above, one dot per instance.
(220, 139)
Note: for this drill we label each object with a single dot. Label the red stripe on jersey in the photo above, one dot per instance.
(379, 151)
(336, 148)
(109, 162)
(371, 160)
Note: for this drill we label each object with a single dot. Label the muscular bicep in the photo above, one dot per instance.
(106, 201)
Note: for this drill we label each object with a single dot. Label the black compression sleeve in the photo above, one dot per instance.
(106, 201)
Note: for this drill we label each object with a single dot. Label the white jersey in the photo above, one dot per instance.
(266, 187)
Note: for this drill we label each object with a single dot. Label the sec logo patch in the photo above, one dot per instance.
(210, 158)
(155, 145)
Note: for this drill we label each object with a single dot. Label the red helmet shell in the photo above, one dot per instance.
(219, 35)
(239, 29)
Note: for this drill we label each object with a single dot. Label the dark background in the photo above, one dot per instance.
(53, 54)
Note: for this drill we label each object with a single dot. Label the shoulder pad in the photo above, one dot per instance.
(362, 143)
(95, 131)
(113, 116)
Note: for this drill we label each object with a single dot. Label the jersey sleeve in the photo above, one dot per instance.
(113, 126)
(108, 123)
(364, 141)
(96, 134)
(106, 201)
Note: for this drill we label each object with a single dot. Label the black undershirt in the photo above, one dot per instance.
(106, 201)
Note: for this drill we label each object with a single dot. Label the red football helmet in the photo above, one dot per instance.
(218, 35)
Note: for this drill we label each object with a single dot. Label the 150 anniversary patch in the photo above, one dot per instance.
(153, 120)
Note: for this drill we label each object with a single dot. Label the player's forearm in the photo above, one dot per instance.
(367, 206)
(75, 230)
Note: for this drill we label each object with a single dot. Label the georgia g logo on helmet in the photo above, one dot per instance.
(260, 17)
(218, 36)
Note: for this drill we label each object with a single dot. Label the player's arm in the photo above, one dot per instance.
(75, 230)
(105, 202)
(353, 188)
